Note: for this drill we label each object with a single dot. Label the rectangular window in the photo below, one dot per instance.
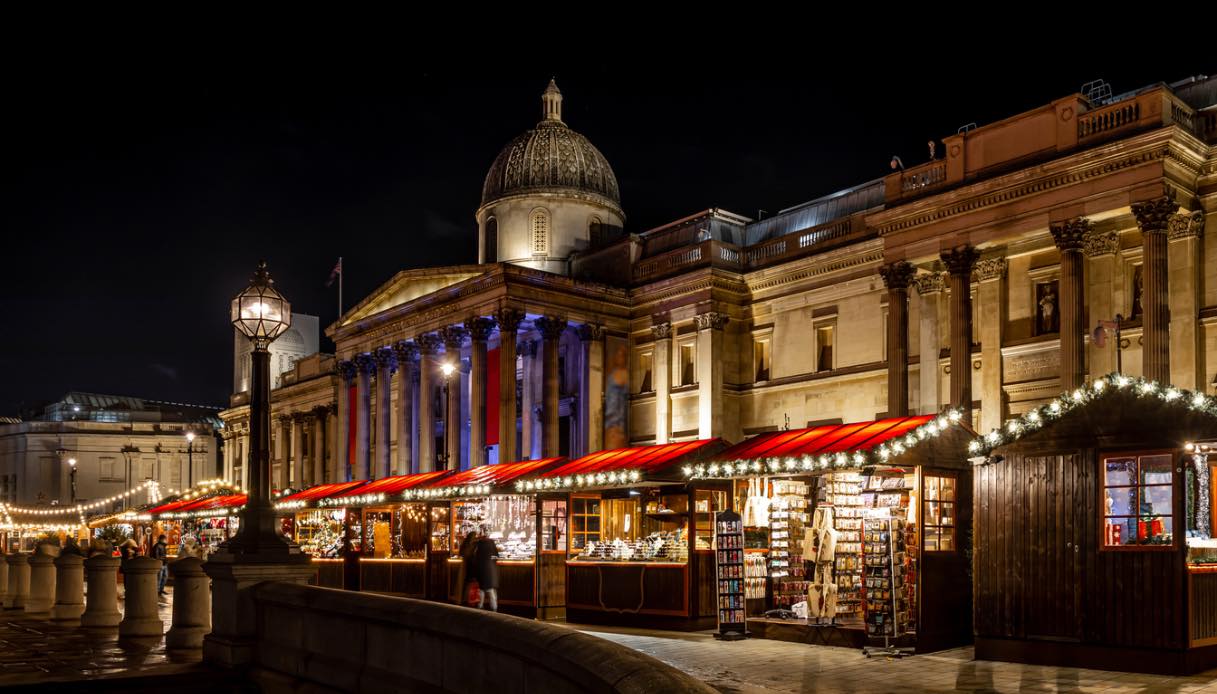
(824, 351)
(585, 521)
(108, 470)
(1138, 500)
(553, 525)
(688, 364)
(939, 514)
(644, 373)
(760, 358)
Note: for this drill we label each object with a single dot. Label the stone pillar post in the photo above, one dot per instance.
(454, 337)
(1186, 263)
(591, 387)
(661, 374)
(959, 262)
(551, 328)
(1153, 216)
(342, 448)
(69, 589)
(42, 586)
(1069, 237)
(101, 607)
(366, 364)
(140, 616)
(3, 578)
(479, 331)
(991, 273)
(18, 581)
(428, 375)
(509, 323)
(710, 358)
(407, 370)
(528, 402)
(191, 605)
(297, 481)
(896, 277)
(1101, 249)
(386, 364)
(930, 288)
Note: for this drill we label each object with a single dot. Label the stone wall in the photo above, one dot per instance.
(316, 638)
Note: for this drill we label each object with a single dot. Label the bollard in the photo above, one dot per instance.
(69, 589)
(42, 586)
(3, 580)
(140, 616)
(191, 604)
(18, 581)
(101, 609)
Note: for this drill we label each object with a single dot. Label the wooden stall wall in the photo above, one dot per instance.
(946, 579)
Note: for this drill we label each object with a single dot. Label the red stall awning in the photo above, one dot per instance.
(381, 489)
(314, 494)
(486, 479)
(623, 466)
(850, 445)
(219, 505)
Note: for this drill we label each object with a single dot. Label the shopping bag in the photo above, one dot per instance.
(472, 593)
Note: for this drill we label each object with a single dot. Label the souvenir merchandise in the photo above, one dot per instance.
(787, 520)
(756, 507)
(729, 538)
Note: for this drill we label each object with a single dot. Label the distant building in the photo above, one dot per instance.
(301, 340)
(117, 442)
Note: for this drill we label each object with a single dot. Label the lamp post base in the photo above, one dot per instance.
(234, 616)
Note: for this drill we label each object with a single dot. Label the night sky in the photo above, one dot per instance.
(139, 194)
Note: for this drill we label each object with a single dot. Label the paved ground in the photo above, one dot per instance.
(757, 666)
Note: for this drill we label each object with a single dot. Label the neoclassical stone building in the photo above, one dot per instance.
(974, 280)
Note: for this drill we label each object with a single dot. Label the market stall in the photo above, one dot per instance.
(209, 513)
(319, 527)
(639, 539)
(1094, 531)
(485, 499)
(854, 534)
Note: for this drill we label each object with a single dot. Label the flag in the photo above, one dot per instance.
(334, 273)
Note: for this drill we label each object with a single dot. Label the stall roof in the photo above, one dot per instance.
(620, 466)
(482, 480)
(379, 489)
(315, 493)
(210, 506)
(851, 446)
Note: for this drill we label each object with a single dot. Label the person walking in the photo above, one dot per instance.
(485, 561)
(467, 573)
(161, 551)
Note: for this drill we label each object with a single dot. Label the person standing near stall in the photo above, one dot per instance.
(161, 551)
(485, 562)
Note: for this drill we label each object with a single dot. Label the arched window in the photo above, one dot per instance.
(594, 232)
(540, 232)
(490, 247)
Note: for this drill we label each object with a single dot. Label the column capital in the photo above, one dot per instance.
(991, 269)
(346, 370)
(960, 260)
(407, 352)
(1097, 244)
(662, 331)
(386, 359)
(527, 348)
(930, 283)
(897, 275)
(509, 319)
(1186, 226)
(453, 337)
(297, 417)
(712, 320)
(429, 343)
(321, 411)
(479, 328)
(551, 327)
(590, 331)
(365, 363)
(1070, 235)
(1153, 216)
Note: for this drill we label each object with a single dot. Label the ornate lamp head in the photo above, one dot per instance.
(260, 312)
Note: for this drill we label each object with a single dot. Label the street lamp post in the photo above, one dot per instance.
(447, 369)
(189, 459)
(72, 476)
(262, 314)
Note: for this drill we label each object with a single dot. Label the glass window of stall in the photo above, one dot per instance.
(411, 531)
(630, 525)
(554, 525)
(441, 527)
(508, 520)
(319, 532)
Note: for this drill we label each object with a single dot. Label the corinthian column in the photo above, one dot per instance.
(479, 331)
(1153, 216)
(297, 451)
(551, 328)
(1101, 248)
(428, 373)
(407, 368)
(661, 366)
(342, 443)
(366, 365)
(1070, 236)
(386, 364)
(930, 288)
(591, 387)
(528, 400)
(1186, 263)
(710, 373)
(454, 337)
(896, 277)
(991, 275)
(509, 323)
(959, 262)
(320, 419)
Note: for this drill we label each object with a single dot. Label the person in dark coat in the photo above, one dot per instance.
(485, 566)
(466, 574)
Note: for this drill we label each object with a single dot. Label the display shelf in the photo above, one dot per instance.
(731, 576)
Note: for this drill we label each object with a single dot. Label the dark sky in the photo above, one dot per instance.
(139, 193)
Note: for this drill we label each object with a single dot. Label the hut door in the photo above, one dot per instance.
(1061, 491)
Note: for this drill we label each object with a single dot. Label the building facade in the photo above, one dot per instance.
(301, 339)
(117, 443)
(974, 280)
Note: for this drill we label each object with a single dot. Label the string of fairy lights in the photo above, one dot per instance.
(203, 489)
(1037, 418)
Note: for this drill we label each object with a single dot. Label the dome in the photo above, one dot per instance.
(551, 158)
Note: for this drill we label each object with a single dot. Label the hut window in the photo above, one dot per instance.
(1138, 501)
(939, 524)
(585, 522)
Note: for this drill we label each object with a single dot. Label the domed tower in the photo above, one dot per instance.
(549, 193)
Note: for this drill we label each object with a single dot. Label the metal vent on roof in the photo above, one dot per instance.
(965, 128)
(1097, 92)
